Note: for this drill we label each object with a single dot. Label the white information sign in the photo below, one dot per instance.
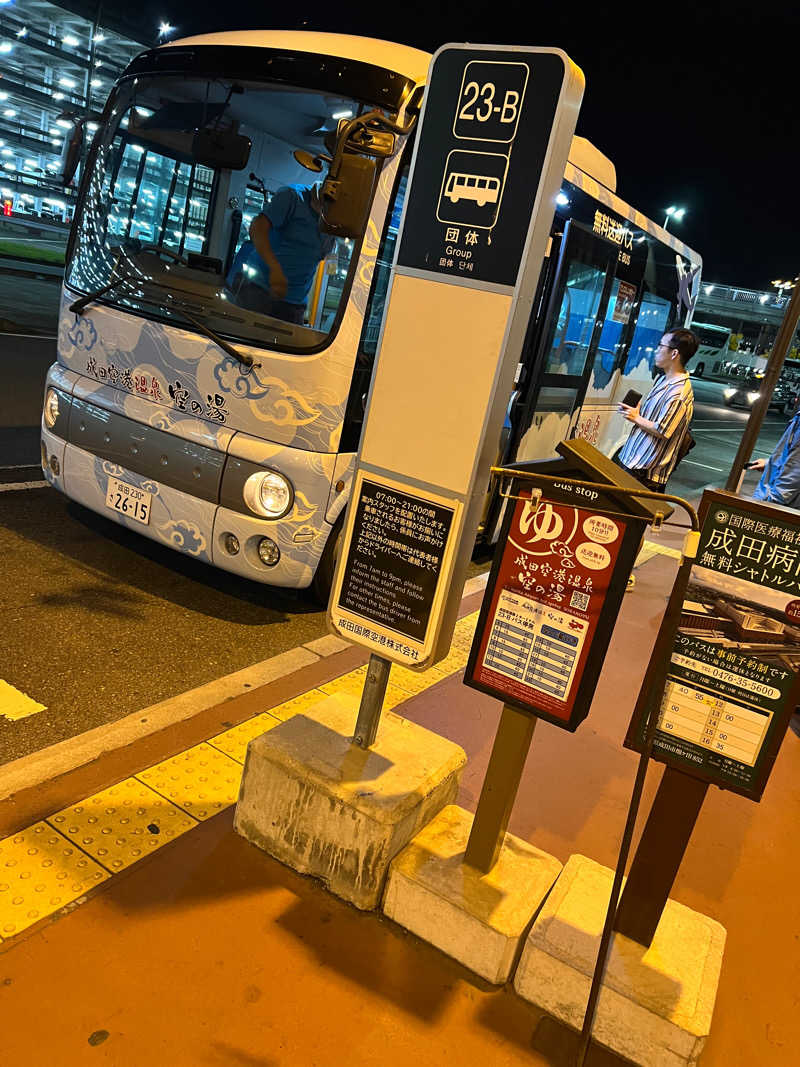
(488, 162)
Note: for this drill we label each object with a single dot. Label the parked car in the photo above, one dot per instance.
(746, 393)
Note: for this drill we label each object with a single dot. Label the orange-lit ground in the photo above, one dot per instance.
(209, 952)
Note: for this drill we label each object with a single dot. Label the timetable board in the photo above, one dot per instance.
(732, 681)
(726, 728)
(531, 642)
(556, 584)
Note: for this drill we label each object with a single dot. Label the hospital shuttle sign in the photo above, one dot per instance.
(493, 143)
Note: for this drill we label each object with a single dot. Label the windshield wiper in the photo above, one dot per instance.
(77, 306)
(242, 357)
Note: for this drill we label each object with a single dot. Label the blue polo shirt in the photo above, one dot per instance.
(296, 240)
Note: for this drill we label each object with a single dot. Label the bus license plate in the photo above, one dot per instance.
(128, 500)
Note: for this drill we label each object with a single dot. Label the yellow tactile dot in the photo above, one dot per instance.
(464, 632)
(40, 872)
(297, 704)
(234, 742)
(120, 825)
(413, 682)
(454, 661)
(202, 780)
(352, 684)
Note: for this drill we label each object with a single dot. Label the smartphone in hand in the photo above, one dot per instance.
(631, 398)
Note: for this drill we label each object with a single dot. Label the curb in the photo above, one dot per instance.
(36, 784)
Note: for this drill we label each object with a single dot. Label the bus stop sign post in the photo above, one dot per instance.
(565, 551)
(492, 145)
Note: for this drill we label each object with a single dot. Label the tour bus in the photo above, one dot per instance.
(231, 435)
(714, 349)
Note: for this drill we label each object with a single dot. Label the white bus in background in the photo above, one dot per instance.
(231, 435)
(713, 353)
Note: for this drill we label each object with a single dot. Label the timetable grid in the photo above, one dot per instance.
(541, 656)
(723, 727)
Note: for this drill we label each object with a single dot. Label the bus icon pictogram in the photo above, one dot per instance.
(472, 188)
(481, 188)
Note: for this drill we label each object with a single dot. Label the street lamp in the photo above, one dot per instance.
(782, 286)
(164, 30)
(676, 213)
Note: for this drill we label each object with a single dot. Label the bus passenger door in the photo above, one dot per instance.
(557, 373)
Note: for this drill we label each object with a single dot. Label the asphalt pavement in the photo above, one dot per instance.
(718, 430)
(98, 622)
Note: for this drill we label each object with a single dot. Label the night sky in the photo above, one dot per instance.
(695, 107)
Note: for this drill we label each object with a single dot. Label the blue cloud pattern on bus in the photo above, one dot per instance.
(83, 333)
(184, 536)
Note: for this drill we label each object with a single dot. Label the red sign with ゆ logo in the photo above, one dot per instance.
(544, 604)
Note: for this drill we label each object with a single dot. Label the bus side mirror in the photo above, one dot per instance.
(72, 151)
(346, 199)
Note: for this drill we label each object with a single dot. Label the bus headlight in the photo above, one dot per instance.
(50, 408)
(268, 493)
(752, 397)
(728, 393)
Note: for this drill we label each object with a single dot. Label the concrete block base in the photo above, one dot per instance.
(477, 919)
(656, 1004)
(324, 806)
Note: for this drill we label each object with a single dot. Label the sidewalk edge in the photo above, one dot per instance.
(64, 757)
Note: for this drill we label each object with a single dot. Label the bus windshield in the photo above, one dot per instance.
(180, 173)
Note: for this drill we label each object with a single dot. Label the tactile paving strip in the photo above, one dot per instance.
(202, 780)
(120, 825)
(464, 632)
(352, 684)
(413, 682)
(234, 742)
(297, 704)
(41, 872)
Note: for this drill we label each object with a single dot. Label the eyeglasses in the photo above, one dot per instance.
(669, 348)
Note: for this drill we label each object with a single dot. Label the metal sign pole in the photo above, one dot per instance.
(503, 775)
(519, 716)
(654, 681)
(369, 711)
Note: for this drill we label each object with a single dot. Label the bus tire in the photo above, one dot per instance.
(323, 576)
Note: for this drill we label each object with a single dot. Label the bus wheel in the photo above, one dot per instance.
(323, 578)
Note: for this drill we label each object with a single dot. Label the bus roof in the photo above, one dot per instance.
(410, 62)
(587, 168)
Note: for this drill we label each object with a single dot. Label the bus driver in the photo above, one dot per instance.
(273, 271)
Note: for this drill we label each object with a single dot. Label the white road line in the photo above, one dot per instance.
(706, 465)
(15, 487)
(35, 336)
(16, 705)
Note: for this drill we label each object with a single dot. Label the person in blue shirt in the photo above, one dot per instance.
(780, 482)
(273, 270)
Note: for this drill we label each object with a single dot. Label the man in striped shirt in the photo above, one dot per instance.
(661, 420)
